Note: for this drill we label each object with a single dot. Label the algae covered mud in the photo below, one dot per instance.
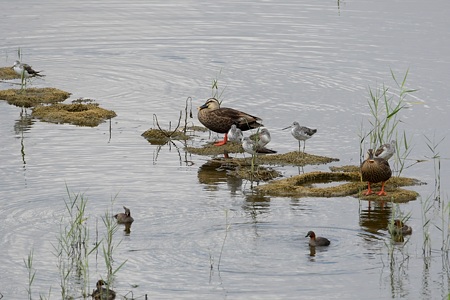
(342, 181)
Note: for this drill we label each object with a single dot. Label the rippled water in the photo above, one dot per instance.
(295, 60)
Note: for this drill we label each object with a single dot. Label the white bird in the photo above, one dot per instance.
(386, 151)
(235, 134)
(252, 147)
(25, 70)
(261, 137)
(301, 133)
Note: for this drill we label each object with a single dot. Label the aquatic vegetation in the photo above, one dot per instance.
(33, 96)
(385, 109)
(76, 113)
(31, 272)
(73, 247)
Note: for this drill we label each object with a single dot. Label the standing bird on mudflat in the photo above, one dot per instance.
(235, 134)
(252, 147)
(261, 137)
(386, 151)
(220, 119)
(374, 170)
(25, 70)
(301, 133)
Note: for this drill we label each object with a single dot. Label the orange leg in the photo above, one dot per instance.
(369, 191)
(382, 192)
(225, 140)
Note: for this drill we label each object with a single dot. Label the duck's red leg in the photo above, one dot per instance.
(382, 192)
(369, 191)
(223, 142)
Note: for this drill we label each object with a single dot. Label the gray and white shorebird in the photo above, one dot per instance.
(386, 151)
(235, 134)
(301, 133)
(251, 147)
(261, 137)
(25, 70)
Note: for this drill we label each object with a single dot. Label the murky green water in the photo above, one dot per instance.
(284, 62)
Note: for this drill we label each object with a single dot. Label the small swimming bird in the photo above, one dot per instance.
(317, 241)
(373, 170)
(220, 119)
(386, 151)
(261, 137)
(301, 133)
(251, 147)
(399, 228)
(102, 293)
(235, 134)
(124, 218)
(25, 70)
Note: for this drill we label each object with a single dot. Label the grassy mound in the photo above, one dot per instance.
(33, 96)
(338, 184)
(76, 113)
(7, 73)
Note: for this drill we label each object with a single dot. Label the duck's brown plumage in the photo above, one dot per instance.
(220, 119)
(102, 293)
(399, 228)
(375, 169)
(124, 218)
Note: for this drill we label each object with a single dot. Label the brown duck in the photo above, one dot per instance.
(102, 293)
(124, 218)
(373, 170)
(399, 228)
(220, 119)
(317, 240)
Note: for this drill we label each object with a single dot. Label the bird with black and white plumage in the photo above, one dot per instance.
(386, 151)
(25, 70)
(301, 133)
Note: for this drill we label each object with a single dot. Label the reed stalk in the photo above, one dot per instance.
(31, 271)
(227, 228)
(72, 250)
(385, 108)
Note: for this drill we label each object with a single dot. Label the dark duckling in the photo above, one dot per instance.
(102, 293)
(220, 119)
(373, 170)
(317, 241)
(124, 218)
(399, 228)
